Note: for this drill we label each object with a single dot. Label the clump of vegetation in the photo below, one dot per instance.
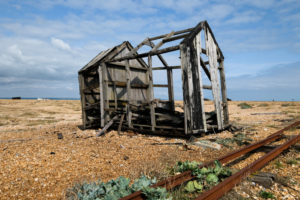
(240, 139)
(263, 105)
(278, 164)
(118, 188)
(244, 106)
(266, 195)
(287, 104)
(205, 176)
(292, 162)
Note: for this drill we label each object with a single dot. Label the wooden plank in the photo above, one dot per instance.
(198, 49)
(212, 58)
(166, 68)
(160, 85)
(105, 92)
(175, 33)
(107, 126)
(82, 97)
(128, 78)
(120, 124)
(118, 64)
(100, 72)
(160, 51)
(175, 38)
(161, 42)
(224, 93)
(207, 87)
(151, 95)
(115, 90)
(187, 118)
(124, 84)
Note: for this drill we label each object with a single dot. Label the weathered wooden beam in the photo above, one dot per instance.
(151, 96)
(215, 41)
(124, 84)
(206, 70)
(175, 33)
(107, 126)
(82, 97)
(121, 65)
(161, 42)
(175, 38)
(120, 124)
(105, 88)
(213, 63)
(100, 72)
(224, 94)
(128, 78)
(198, 57)
(160, 51)
(160, 85)
(166, 68)
(207, 87)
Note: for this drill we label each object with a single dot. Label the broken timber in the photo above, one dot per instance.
(119, 82)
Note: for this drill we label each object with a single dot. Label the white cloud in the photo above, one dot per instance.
(60, 44)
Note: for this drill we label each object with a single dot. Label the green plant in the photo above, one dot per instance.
(263, 105)
(244, 106)
(205, 176)
(115, 189)
(292, 162)
(266, 195)
(187, 165)
(240, 139)
(278, 164)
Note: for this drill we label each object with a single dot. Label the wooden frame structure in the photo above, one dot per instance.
(116, 87)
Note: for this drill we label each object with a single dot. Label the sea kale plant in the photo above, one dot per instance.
(116, 189)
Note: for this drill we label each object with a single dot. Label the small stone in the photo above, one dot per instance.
(60, 136)
(36, 179)
(52, 153)
(126, 157)
(121, 146)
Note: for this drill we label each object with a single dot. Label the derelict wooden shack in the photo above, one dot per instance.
(116, 87)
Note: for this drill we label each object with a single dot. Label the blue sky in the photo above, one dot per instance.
(44, 43)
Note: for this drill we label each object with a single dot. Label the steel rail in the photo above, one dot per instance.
(179, 179)
(225, 186)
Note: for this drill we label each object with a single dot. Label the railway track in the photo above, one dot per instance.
(220, 189)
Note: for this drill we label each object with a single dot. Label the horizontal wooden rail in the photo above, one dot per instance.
(142, 55)
(175, 33)
(160, 85)
(169, 67)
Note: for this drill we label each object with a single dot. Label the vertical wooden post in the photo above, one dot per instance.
(82, 96)
(185, 88)
(151, 95)
(128, 87)
(105, 96)
(224, 93)
(115, 89)
(211, 51)
(170, 88)
(100, 73)
(198, 47)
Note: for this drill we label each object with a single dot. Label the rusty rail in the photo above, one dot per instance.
(220, 189)
(179, 179)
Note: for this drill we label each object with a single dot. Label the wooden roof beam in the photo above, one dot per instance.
(175, 33)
